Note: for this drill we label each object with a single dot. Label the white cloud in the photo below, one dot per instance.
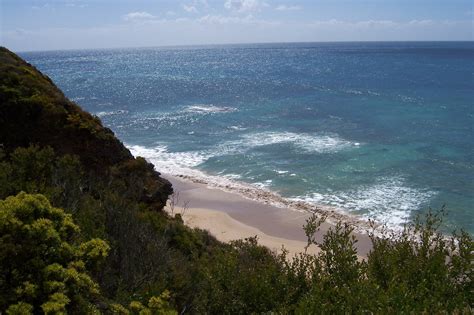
(246, 20)
(195, 6)
(135, 16)
(190, 8)
(242, 28)
(369, 24)
(220, 19)
(421, 22)
(241, 6)
(283, 7)
(76, 5)
(376, 24)
(392, 30)
(384, 24)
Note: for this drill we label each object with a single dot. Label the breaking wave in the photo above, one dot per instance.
(312, 143)
(390, 200)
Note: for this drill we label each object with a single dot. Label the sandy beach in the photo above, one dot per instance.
(229, 216)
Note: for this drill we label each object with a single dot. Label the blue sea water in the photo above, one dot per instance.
(379, 130)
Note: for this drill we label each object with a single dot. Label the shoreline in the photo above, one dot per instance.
(226, 229)
(259, 194)
(229, 215)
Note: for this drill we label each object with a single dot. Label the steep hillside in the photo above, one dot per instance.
(80, 234)
(34, 111)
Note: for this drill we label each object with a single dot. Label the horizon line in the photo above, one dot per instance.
(242, 43)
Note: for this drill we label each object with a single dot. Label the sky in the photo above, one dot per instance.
(34, 25)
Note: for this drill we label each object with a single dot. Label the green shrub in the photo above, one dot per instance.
(48, 145)
(43, 266)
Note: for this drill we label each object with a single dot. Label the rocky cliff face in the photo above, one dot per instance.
(34, 111)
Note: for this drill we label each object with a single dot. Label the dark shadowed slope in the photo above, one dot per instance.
(34, 111)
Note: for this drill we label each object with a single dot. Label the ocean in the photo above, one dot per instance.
(377, 130)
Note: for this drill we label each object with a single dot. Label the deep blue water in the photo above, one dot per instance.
(382, 130)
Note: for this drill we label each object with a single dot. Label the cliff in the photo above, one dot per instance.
(59, 167)
(33, 111)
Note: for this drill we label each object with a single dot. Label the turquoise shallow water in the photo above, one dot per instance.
(379, 130)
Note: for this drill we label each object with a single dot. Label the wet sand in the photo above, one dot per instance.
(230, 216)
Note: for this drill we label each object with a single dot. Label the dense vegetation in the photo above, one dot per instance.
(34, 111)
(82, 231)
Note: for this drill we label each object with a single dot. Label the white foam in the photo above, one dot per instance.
(232, 176)
(111, 113)
(408, 99)
(265, 184)
(206, 108)
(238, 127)
(314, 143)
(181, 164)
(356, 92)
(389, 200)
(373, 93)
(170, 162)
(183, 115)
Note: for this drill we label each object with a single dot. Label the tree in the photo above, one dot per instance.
(43, 265)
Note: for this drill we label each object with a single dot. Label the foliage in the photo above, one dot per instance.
(241, 278)
(421, 268)
(410, 272)
(34, 111)
(52, 147)
(156, 305)
(43, 266)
